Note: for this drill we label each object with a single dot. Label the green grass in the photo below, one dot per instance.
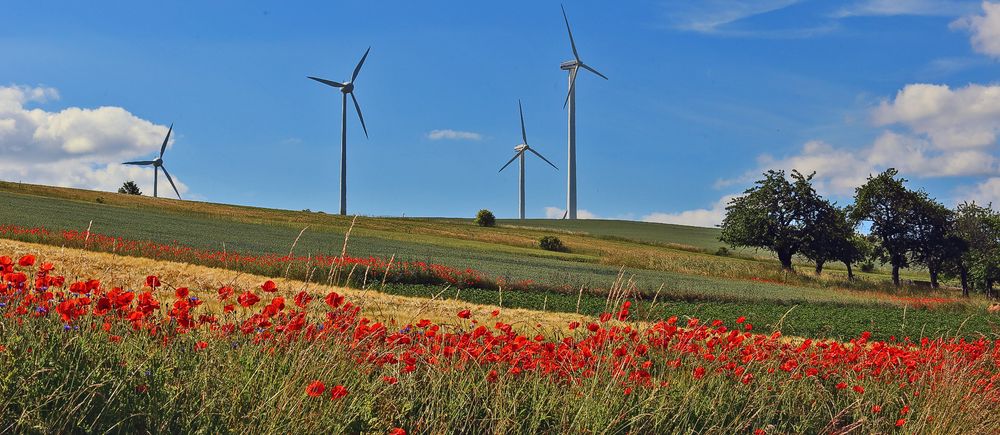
(219, 231)
(691, 282)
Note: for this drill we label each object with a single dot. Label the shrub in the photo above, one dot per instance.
(551, 243)
(100, 200)
(722, 251)
(485, 218)
(868, 267)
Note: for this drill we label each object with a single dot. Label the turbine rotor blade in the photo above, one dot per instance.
(327, 82)
(171, 180)
(588, 68)
(357, 69)
(164, 146)
(542, 157)
(139, 163)
(511, 160)
(524, 135)
(572, 85)
(357, 107)
(571, 42)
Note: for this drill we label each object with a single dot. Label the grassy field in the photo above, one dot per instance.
(163, 360)
(683, 279)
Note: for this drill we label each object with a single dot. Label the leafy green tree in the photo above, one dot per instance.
(886, 203)
(829, 236)
(771, 215)
(130, 188)
(485, 218)
(934, 242)
(972, 226)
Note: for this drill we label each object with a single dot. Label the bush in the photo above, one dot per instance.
(485, 218)
(100, 200)
(868, 267)
(722, 251)
(551, 243)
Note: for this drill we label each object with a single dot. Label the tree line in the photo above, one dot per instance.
(785, 215)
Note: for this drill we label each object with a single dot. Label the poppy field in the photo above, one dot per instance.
(147, 355)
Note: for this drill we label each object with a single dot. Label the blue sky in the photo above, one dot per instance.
(702, 96)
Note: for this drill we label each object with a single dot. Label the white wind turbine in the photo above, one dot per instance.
(346, 89)
(158, 165)
(519, 153)
(572, 66)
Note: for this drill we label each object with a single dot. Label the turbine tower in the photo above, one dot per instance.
(519, 153)
(158, 165)
(346, 89)
(572, 67)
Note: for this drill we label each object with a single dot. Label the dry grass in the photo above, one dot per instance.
(126, 272)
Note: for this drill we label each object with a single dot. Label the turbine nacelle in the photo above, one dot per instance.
(158, 162)
(521, 147)
(348, 88)
(569, 64)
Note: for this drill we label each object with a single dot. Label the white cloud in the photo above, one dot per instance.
(985, 29)
(74, 147)
(702, 217)
(557, 213)
(709, 16)
(453, 135)
(986, 192)
(966, 117)
(904, 7)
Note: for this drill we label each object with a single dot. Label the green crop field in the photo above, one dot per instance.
(684, 278)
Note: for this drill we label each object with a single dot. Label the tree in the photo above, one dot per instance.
(130, 188)
(770, 215)
(934, 243)
(886, 203)
(829, 236)
(858, 249)
(971, 226)
(485, 218)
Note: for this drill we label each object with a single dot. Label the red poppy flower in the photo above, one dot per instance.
(315, 389)
(228, 308)
(605, 317)
(26, 261)
(269, 286)
(742, 319)
(876, 409)
(181, 292)
(465, 314)
(859, 389)
(748, 327)
(152, 281)
(338, 392)
(905, 410)
(495, 313)
(699, 372)
(593, 327)
(201, 345)
(46, 267)
(248, 299)
(759, 432)
(900, 422)
(302, 299)
(334, 300)
(390, 380)
(225, 292)
(573, 325)
(397, 431)
(841, 386)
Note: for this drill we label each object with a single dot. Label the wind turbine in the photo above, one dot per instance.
(158, 165)
(346, 89)
(519, 153)
(572, 66)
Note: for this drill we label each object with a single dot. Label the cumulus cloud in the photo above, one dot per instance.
(702, 217)
(73, 147)
(557, 213)
(966, 117)
(984, 29)
(986, 192)
(930, 131)
(453, 135)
